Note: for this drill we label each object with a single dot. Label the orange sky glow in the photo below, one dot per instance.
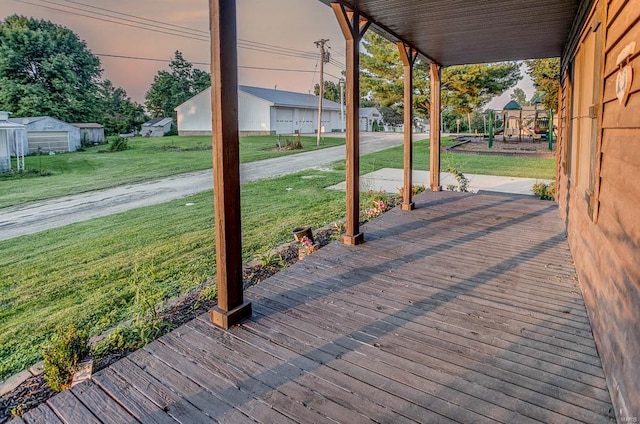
(291, 24)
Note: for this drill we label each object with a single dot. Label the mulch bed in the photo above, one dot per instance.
(513, 147)
(34, 390)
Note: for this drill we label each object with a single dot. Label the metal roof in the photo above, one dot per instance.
(7, 125)
(512, 105)
(289, 98)
(26, 120)
(157, 122)
(87, 125)
(454, 32)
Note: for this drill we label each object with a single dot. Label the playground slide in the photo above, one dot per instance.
(528, 131)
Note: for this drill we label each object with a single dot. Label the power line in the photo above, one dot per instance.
(107, 20)
(138, 17)
(245, 44)
(150, 59)
(163, 27)
(242, 43)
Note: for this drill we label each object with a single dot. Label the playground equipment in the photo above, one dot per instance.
(528, 122)
(523, 123)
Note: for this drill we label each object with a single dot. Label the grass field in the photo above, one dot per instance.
(86, 273)
(468, 164)
(147, 158)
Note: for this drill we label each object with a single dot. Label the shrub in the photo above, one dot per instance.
(415, 190)
(375, 204)
(119, 145)
(545, 191)
(65, 350)
(463, 182)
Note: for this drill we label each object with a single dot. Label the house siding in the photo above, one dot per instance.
(603, 225)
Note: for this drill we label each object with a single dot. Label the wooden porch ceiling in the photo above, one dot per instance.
(454, 32)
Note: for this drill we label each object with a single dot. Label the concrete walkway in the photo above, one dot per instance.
(40, 216)
(390, 180)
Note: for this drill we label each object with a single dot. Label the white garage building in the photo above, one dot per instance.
(262, 111)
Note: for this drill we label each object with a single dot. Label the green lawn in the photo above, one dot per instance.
(468, 164)
(147, 158)
(85, 273)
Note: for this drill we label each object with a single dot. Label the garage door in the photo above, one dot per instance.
(48, 141)
(284, 121)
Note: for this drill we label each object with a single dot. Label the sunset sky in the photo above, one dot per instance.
(274, 34)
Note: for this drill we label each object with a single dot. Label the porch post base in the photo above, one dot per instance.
(227, 319)
(408, 206)
(436, 188)
(353, 240)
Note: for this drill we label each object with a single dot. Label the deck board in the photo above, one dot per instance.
(466, 309)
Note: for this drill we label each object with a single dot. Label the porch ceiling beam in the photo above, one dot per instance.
(408, 55)
(231, 307)
(353, 28)
(434, 167)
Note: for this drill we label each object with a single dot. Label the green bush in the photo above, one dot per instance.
(460, 178)
(119, 145)
(545, 191)
(66, 348)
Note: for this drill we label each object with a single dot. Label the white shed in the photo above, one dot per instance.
(157, 127)
(13, 142)
(47, 134)
(262, 111)
(369, 115)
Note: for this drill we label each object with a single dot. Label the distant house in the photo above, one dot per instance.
(12, 142)
(47, 134)
(157, 127)
(91, 133)
(262, 111)
(369, 115)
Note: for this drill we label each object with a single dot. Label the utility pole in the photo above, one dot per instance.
(341, 83)
(324, 58)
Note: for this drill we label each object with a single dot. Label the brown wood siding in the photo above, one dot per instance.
(606, 250)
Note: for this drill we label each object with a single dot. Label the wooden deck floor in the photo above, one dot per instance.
(465, 310)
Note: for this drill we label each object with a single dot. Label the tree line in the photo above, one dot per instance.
(466, 89)
(45, 69)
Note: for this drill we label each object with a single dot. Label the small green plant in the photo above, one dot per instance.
(339, 227)
(415, 190)
(66, 348)
(119, 145)
(209, 293)
(272, 259)
(146, 324)
(545, 191)
(146, 318)
(463, 182)
(375, 204)
(17, 411)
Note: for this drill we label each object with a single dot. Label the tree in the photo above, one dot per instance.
(170, 89)
(381, 77)
(119, 113)
(45, 69)
(465, 88)
(545, 74)
(520, 96)
(331, 91)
